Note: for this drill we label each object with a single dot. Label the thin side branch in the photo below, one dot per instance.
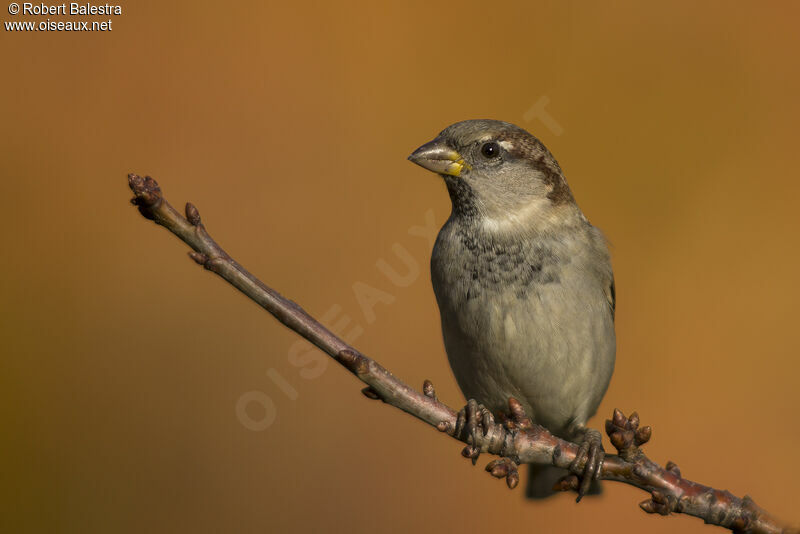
(516, 441)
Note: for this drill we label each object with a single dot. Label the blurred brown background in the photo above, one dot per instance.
(288, 126)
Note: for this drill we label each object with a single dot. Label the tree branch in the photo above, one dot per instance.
(515, 440)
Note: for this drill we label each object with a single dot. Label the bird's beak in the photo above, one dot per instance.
(436, 156)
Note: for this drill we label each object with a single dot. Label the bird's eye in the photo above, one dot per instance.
(490, 150)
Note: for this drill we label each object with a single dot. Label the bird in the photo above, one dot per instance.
(524, 286)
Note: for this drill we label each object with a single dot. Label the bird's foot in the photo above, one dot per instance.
(473, 424)
(476, 425)
(590, 456)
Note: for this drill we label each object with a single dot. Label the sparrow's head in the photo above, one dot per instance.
(494, 169)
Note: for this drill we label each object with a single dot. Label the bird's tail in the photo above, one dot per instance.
(542, 478)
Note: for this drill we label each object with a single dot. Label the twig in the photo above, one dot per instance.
(517, 441)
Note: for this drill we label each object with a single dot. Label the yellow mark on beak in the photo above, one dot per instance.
(456, 166)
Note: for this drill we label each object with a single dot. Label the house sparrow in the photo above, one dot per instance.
(524, 286)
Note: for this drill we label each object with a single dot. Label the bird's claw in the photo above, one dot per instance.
(476, 425)
(473, 423)
(590, 455)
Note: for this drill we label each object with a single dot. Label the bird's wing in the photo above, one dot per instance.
(611, 295)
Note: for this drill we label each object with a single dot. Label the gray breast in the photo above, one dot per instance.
(496, 266)
(526, 318)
